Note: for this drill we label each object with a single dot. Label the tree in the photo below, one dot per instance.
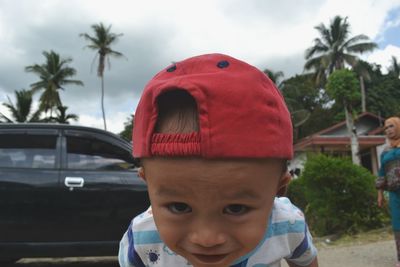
(299, 116)
(53, 74)
(343, 86)
(394, 69)
(22, 110)
(362, 69)
(101, 42)
(128, 127)
(62, 116)
(335, 48)
(384, 94)
(275, 76)
(301, 95)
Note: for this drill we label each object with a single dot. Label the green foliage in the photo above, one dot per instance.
(53, 75)
(275, 76)
(301, 93)
(343, 86)
(101, 42)
(21, 111)
(62, 116)
(383, 95)
(128, 127)
(296, 193)
(335, 48)
(340, 196)
(394, 68)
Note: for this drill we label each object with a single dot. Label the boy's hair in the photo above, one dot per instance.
(212, 106)
(177, 113)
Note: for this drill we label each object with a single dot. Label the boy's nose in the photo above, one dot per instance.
(207, 237)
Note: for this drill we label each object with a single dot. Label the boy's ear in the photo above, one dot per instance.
(141, 173)
(283, 184)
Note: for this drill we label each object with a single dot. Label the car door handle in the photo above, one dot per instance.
(73, 182)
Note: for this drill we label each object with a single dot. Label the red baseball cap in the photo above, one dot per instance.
(241, 112)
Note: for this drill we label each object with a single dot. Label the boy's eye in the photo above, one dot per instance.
(236, 209)
(179, 208)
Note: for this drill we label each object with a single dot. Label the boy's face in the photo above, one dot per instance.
(211, 212)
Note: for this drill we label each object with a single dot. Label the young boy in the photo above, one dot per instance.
(213, 135)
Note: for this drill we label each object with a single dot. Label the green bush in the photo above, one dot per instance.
(296, 193)
(337, 196)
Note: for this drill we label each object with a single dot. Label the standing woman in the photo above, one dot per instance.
(389, 177)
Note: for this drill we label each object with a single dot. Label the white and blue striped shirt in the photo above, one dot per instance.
(287, 237)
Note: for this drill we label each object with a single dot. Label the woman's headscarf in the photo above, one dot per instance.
(395, 140)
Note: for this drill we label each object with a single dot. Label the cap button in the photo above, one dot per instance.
(172, 68)
(223, 64)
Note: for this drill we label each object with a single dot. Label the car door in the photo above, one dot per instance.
(101, 189)
(29, 175)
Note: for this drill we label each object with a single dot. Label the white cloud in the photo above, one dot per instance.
(364, 16)
(383, 57)
(115, 122)
(266, 33)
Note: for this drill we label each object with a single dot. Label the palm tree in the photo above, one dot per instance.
(394, 69)
(335, 47)
(53, 74)
(21, 111)
(62, 116)
(332, 52)
(101, 42)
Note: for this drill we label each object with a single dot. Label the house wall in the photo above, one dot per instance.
(300, 159)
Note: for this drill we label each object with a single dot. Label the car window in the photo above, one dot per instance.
(27, 151)
(95, 154)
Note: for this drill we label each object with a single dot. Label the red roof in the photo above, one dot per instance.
(336, 137)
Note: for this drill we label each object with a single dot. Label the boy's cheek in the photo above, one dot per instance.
(170, 233)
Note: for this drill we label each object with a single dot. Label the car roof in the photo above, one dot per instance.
(61, 126)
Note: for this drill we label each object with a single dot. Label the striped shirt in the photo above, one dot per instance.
(287, 237)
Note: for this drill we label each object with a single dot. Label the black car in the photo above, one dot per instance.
(65, 191)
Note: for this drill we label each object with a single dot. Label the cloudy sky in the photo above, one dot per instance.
(266, 33)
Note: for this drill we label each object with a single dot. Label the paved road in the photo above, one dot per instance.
(376, 254)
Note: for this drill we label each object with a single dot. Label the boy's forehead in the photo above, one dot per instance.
(207, 180)
(237, 170)
(230, 191)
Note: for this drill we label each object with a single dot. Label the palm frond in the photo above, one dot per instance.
(334, 48)
(5, 118)
(362, 47)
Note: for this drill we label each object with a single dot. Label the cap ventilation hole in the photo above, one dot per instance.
(223, 64)
(172, 68)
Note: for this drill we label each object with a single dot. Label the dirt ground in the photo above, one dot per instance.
(377, 254)
(374, 249)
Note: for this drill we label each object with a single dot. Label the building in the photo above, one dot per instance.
(335, 141)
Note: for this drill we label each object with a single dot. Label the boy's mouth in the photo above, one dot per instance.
(210, 258)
